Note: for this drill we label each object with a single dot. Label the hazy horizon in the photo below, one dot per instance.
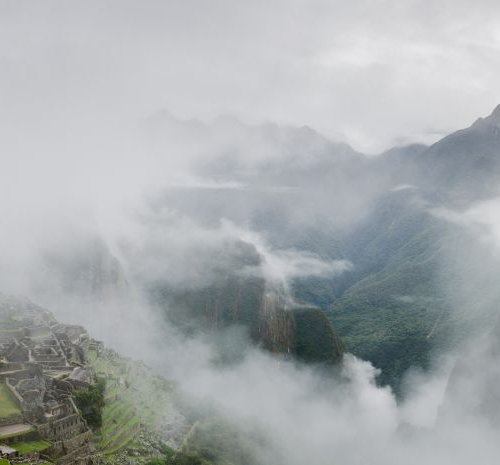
(375, 74)
(188, 180)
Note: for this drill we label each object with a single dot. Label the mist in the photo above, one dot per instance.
(158, 149)
(304, 413)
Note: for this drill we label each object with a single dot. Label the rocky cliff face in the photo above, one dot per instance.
(238, 297)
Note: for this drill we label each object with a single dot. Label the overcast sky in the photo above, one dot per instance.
(375, 72)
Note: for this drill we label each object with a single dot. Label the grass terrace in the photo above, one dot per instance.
(120, 425)
(8, 403)
(30, 446)
(133, 396)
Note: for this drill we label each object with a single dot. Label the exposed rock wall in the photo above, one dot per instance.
(272, 321)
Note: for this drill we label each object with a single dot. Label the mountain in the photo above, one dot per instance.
(407, 293)
(464, 166)
(411, 286)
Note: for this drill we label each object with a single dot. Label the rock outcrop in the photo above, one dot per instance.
(240, 296)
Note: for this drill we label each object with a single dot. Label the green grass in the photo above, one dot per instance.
(119, 427)
(8, 404)
(114, 432)
(123, 439)
(127, 407)
(30, 446)
(133, 397)
(4, 462)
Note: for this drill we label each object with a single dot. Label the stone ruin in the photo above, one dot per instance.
(41, 363)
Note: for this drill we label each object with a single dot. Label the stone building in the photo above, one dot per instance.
(41, 363)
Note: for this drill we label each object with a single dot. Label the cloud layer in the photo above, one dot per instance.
(366, 71)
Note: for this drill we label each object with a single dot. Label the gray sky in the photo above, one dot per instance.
(376, 72)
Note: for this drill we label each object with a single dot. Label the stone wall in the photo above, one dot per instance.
(81, 456)
(13, 370)
(11, 420)
(69, 446)
(29, 436)
(65, 428)
(9, 382)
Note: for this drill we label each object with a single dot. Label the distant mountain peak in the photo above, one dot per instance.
(490, 122)
(496, 113)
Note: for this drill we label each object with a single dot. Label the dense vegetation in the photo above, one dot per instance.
(91, 402)
(315, 340)
(390, 308)
(214, 440)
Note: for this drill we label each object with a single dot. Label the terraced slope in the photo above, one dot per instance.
(138, 408)
(120, 426)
